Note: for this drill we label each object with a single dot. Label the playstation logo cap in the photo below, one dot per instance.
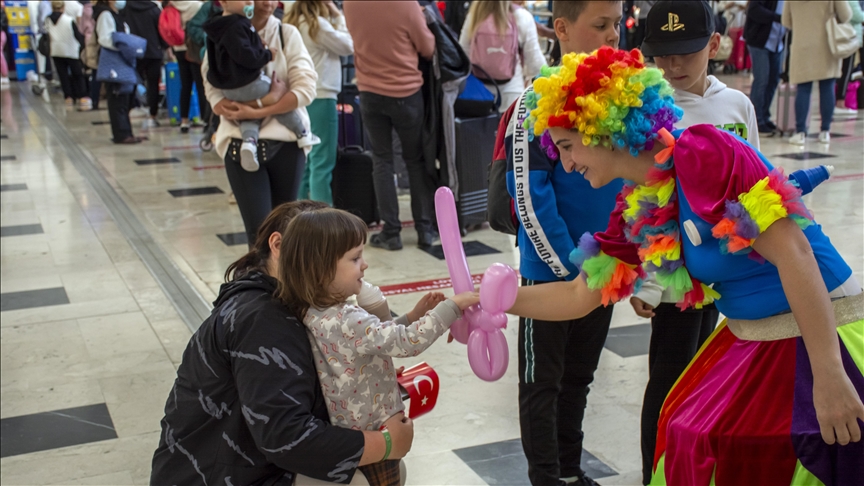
(677, 28)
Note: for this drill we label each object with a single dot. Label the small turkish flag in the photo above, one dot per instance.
(420, 382)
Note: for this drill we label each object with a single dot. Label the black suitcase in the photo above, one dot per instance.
(353, 185)
(475, 143)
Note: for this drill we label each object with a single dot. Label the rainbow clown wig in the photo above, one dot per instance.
(609, 96)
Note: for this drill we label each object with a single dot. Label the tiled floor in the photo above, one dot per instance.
(93, 304)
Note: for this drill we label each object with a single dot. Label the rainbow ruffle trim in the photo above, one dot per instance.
(614, 278)
(772, 198)
(651, 220)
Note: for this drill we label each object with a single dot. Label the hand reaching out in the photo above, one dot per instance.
(642, 308)
(425, 304)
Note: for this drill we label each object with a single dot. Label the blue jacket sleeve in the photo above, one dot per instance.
(529, 182)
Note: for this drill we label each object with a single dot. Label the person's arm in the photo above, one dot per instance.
(302, 77)
(535, 197)
(195, 26)
(786, 18)
(105, 28)
(418, 32)
(556, 301)
(857, 13)
(843, 11)
(78, 35)
(335, 38)
(752, 126)
(388, 338)
(757, 12)
(532, 57)
(648, 298)
(836, 401)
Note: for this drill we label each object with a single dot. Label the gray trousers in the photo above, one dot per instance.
(256, 90)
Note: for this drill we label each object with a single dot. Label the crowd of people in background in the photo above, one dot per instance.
(269, 75)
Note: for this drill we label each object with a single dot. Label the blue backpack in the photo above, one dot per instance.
(476, 100)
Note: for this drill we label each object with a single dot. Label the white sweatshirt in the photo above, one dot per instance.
(724, 108)
(331, 41)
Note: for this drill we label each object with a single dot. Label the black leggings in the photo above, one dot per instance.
(190, 73)
(276, 182)
(675, 338)
(150, 71)
(72, 80)
(118, 112)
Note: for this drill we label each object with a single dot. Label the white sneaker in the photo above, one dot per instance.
(249, 155)
(309, 140)
(845, 113)
(149, 123)
(4, 83)
(798, 139)
(824, 137)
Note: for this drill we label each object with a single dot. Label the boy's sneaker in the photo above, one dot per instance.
(249, 155)
(798, 139)
(149, 123)
(824, 137)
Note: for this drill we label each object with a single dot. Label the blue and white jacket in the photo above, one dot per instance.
(554, 208)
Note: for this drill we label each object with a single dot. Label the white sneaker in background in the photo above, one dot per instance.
(249, 155)
(308, 141)
(798, 139)
(824, 137)
(845, 113)
(149, 123)
(4, 83)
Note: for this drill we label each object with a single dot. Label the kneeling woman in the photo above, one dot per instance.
(246, 407)
(772, 397)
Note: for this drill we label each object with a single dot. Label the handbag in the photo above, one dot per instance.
(841, 37)
(44, 46)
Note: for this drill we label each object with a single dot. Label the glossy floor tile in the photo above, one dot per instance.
(87, 323)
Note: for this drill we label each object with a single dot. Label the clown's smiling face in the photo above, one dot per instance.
(592, 162)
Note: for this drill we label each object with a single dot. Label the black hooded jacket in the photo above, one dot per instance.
(235, 52)
(143, 21)
(246, 407)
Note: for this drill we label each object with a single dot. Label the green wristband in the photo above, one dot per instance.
(388, 441)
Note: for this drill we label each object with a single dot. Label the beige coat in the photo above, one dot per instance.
(811, 57)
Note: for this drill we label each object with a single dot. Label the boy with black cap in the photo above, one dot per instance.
(681, 38)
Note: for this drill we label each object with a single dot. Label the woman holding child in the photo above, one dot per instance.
(775, 394)
(280, 158)
(247, 406)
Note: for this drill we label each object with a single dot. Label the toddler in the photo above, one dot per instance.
(237, 57)
(321, 266)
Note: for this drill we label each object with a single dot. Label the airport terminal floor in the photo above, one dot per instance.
(111, 255)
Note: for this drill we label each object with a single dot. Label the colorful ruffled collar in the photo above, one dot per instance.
(651, 221)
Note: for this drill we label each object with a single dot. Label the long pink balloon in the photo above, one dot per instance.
(480, 326)
(454, 254)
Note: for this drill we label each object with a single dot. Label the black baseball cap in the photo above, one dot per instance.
(677, 28)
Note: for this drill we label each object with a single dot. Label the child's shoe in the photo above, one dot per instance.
(308, 140)
(249, 155)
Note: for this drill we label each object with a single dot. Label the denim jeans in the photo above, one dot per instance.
(766, 76)
(381, 114)
(826, 104)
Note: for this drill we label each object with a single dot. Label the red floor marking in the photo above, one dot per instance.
(845, 177)
(426, 285)
(208, 167)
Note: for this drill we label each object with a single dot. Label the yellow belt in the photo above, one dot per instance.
(783, 326)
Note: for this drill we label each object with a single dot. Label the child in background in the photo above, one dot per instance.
(682, 39)
(321, 262)
(237, 57)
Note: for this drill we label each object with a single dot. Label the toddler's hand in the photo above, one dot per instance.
(642, 308)
(278, 88)
(425, 304)
(272, 52)
(466, 299)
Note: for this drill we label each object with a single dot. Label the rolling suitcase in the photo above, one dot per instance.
(475, 143)
(353, 185)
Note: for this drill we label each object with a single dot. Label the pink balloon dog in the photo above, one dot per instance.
(480, 326)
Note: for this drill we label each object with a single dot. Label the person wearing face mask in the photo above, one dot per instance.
(108, 21)
(190, 73)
